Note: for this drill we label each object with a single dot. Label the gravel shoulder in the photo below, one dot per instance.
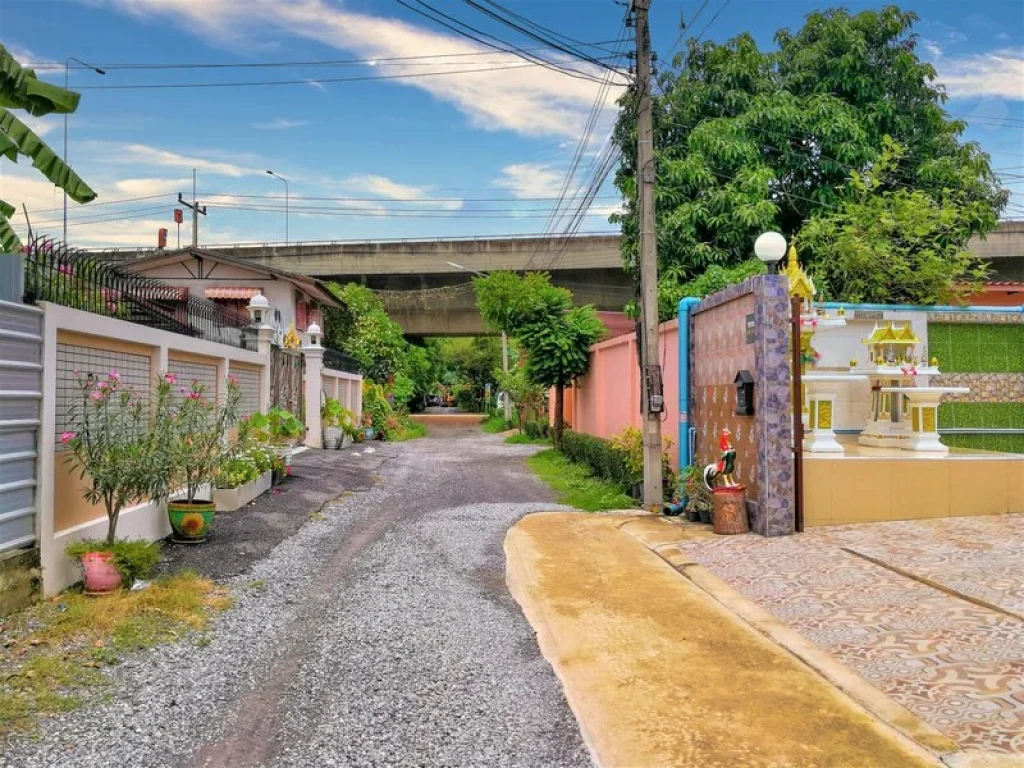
(382, 634)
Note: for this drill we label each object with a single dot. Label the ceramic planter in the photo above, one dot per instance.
(346, 440)
(285, 452)
(332, 438)
(230, 499)
(100, 575)
(368, 433)
(190, 521)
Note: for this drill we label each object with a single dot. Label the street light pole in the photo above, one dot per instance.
(282, 178)
(67, 83)
(507, 407)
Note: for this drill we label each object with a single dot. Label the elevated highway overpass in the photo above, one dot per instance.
(424, 293)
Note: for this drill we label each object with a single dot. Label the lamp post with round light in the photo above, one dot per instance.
(770, 248)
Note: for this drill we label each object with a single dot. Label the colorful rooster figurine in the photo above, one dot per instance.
(724, 467)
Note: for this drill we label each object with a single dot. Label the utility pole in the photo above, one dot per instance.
(652, 400)
(196, 210)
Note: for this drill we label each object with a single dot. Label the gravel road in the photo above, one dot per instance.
(384, 636)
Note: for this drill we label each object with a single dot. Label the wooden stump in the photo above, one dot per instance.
(730, 510)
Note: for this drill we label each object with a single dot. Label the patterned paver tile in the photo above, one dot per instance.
(957, 665)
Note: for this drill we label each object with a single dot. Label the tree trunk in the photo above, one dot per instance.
(559, 407)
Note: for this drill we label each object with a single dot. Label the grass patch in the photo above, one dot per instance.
(410, 430)
(495, 424)
(55, 651)
(576, 485)
(522, 438)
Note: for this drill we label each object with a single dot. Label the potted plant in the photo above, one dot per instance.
(279, 470)
(280, 428)
(368, 430)
(198, 431)
(118, 445)
(699, 504)
(349, 427)
(243, 475)
(330, 414)
(107, 566)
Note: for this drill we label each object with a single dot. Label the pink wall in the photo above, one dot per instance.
(607, 399)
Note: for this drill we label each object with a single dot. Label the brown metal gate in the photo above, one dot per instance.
(286, 379)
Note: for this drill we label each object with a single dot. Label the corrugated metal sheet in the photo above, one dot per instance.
(21, 379)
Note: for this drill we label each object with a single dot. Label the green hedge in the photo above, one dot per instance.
(536, 429)
(604, 459)
(977, 347)
(1003, 443)
(982, 415)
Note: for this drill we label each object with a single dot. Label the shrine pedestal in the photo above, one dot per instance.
(923, 424)
(820, 391)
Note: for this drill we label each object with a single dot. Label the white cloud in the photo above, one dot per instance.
(382, 186)
(281, 124)
(150, 156)
(146, 187)
(933, 48)
(528, 100)
(999, 74)
(528, 180)
(317, 85)
(40, 126)
(27, 58)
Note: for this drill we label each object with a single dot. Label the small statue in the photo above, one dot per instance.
(853, 362)
(935, 362)
(722, 469)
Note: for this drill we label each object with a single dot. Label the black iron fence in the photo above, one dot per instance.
(62, 275)
(339, 361)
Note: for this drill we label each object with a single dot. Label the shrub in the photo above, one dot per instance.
(536, 429)
(631, 440)
(604, 458)
(133, 559)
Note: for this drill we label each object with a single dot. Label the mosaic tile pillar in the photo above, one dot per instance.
(721, 345)
(775, 514)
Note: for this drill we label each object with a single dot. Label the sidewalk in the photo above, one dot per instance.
(659, 674)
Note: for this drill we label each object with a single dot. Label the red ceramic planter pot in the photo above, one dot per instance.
(100, 575)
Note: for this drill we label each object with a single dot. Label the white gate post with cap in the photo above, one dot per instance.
(313, 363)
(260, 311)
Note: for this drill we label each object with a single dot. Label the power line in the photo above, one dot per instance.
(357, 79)
(270, 64)
(499, 44)
(718, 13)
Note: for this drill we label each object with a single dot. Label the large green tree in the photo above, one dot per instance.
(749, 140)
(364, 330)
(21, 89)
(554, 335)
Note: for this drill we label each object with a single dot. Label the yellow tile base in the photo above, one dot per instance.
(876, 484)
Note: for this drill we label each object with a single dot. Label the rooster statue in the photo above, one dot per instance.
(724, 467)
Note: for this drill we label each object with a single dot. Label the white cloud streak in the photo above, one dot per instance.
(281, 124)
(528, 180)
(531, 101)
(999, 74)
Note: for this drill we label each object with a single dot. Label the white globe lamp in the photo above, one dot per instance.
(314, 334)
(259, 309)
(770, 248)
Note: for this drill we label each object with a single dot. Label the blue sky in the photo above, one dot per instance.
(463, 154)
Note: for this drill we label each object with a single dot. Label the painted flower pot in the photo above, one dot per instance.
(190, 521)
(285, 452)
(346, 440)
(332, 438)
(368, 433)
(100, 575)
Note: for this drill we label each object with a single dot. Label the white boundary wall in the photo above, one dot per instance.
(144, 521)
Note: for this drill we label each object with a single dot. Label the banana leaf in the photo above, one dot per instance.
(9, 242)
(21, 89)
(13, 131)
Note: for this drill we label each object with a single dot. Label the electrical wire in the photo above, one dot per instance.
(262, 83)
(269, 64)
(498, 45)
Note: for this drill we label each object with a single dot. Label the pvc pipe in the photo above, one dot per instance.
(918, 308)
(685, 429)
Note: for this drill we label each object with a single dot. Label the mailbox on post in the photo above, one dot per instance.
(744, 393)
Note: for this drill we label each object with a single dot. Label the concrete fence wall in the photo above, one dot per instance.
(77, 343)
(607, 399)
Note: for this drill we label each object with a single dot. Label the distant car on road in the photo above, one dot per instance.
(433, 400)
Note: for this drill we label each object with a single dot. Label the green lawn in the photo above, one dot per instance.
(575, 484)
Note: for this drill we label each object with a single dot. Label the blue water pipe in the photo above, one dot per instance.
(686, 431)
(915, 308)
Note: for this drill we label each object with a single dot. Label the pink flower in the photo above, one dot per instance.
(233, 380)
(114, 375)
(64, 269)
(102, 385)
(112, 306)
(96, 394)
(67, 437)
(170, 378)
(195, 395)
